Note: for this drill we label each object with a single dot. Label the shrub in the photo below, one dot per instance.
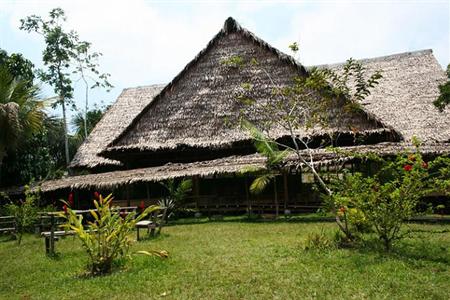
(386, 199)
(319, 241)
(25, 212)
(177, 192)
(106, 239)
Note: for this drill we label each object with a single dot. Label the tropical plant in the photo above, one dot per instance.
(18, 66)
(444, 93)
(106, 239)
(177, 192)
(316, 99)
(63, 56)
(87, 67)
(25, 212)
(273, 164)
(21, 114)
(384, 200)
(84, 123)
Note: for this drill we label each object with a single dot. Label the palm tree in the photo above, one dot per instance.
(21, 114)
(84, 127)
(274, 163)
(176, 194)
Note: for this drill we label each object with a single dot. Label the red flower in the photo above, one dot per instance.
(70, 200)
(407, 168)
(425, 165)
(96, 195)
(65, 208)
(142, 205)
(342, 209)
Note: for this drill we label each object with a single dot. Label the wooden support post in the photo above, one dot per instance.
(286, 189)
(247, 197)
(127, 189)
(196, 190)
(52, 234)
(276, 196)
(147, 189)
(76, 195)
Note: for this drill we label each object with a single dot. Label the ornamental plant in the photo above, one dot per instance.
(386, 199)
(25, 212)
(106, 239)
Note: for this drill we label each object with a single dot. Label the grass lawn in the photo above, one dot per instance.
(236, 260)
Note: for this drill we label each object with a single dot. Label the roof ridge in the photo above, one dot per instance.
(380, 58)
(230, 26)
(153, 85)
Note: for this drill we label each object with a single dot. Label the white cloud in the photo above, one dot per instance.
(146, 42)
(333, 32)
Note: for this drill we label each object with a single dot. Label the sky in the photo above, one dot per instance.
(149, 42)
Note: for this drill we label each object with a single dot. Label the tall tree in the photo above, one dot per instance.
(87, 67)
(21, 114)
(444, 97)
(63, 56)
(318, 99)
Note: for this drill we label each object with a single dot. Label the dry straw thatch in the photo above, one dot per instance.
(191, 109)
(197, 107)
(227, 165)
(130, 103)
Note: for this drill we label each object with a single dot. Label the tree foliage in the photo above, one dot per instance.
(18, 66)
(40, 157)
(444, 96)
(64, 55)
(25, 212)
(21, 114)
(177, 192)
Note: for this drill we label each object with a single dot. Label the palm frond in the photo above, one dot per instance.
(260, 183)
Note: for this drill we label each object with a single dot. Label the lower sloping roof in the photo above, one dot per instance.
(130, 103)
(227, 165)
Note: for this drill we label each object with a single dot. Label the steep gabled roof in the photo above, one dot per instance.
(402, 100)
(130, 102)
(404, 97)
(193, 109)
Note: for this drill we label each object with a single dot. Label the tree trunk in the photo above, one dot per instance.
(86, 108)
(66, 136)
(276, 196)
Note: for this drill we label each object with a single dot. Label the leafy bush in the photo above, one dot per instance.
(385, 200)
(319, 241)
(106, 239)
(25, 212)
(177, 193)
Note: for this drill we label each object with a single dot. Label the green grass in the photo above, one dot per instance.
(236, 260)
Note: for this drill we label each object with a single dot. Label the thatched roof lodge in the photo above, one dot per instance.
(182, 129)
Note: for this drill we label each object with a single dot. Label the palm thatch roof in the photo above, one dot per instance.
(404, 97)
(227, 165)
(198, 106)
(402, 100)
(130, 103)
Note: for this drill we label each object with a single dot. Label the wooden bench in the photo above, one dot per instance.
(8, 225)
(51, 237)
(153, 224)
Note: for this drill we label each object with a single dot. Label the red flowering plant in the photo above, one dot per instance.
(385, 199)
